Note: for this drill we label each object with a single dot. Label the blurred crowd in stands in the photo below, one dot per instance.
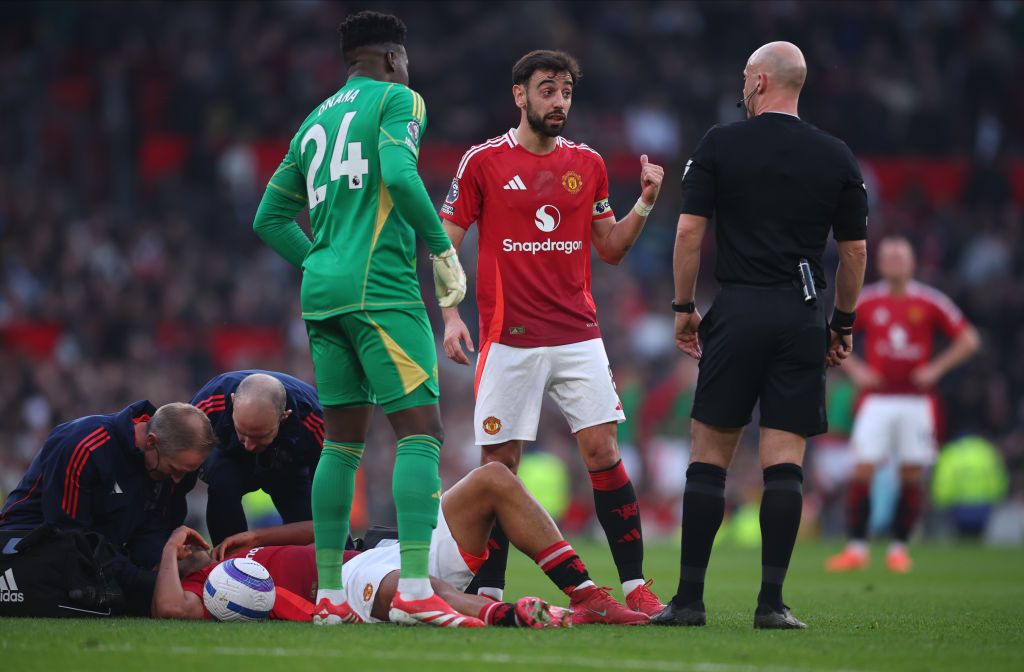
(137, 139)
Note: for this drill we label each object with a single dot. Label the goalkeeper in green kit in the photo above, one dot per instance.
(353, 163)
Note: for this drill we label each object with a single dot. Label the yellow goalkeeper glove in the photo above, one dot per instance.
(449, 278)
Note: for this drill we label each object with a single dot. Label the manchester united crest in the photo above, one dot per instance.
(367, 592)
(572, 181)
(492, 425)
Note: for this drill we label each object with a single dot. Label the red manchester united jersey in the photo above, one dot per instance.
(899, 331)
(534, 214)
(293, 569)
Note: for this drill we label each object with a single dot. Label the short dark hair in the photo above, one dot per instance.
(545, 59)
(180, 427)
(368, 28)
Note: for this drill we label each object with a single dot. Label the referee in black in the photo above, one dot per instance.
(777, 186)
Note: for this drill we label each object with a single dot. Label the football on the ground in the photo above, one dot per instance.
(239, 589)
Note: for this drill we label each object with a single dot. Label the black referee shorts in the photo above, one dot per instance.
(763, 343)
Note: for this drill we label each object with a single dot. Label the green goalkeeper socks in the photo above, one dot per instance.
(416, 488)
(334, 485)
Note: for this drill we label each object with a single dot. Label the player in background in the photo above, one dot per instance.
(468, 510)
(353, 163)
(270, 430)
(899, 318)
(540, 203)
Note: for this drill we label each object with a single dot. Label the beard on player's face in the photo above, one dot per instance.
(551, 124)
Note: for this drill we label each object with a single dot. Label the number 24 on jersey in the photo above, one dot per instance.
(355, 166)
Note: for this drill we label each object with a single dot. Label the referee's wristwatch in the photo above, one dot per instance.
(683, 307)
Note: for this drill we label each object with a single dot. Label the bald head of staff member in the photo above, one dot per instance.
(776, 186)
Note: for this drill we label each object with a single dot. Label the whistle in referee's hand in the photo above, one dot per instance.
(807, 283)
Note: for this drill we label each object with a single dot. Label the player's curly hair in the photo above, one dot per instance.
(545, 59)
(368, 28)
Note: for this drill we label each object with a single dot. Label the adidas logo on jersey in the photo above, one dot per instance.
(9, 589)
(515, 184)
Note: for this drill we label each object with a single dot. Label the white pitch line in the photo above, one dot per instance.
(468, 657)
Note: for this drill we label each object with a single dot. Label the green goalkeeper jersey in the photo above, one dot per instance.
(353, 162)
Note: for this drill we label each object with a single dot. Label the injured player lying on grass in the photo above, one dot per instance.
(458, 547)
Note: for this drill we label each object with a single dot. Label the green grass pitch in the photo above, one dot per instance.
(961, 609)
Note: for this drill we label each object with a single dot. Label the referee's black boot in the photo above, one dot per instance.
(767, 618)
(673, 614)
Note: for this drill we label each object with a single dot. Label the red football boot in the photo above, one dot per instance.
(595, 604)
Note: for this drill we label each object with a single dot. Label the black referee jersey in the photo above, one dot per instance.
(776, 187)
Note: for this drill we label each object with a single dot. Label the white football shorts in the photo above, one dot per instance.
(898, 425)
(362, 575)
(511, 383)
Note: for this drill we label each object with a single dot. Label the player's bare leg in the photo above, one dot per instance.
(703, 511)
(490, 579)
(493, 493)
(908, 508)
(858, 512)
(477, 610)
(333, 489)
(508, 453)
(618, 511)
(458, 611)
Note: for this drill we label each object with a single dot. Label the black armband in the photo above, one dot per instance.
(842, 323)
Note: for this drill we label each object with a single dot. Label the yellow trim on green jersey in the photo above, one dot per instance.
(341, 448)
(419, 109)
(392, 139)
(411, 373)
(330, 312)
(282, 167)
(384, 206)
(297, 197)
(383, 99)
(363, 253)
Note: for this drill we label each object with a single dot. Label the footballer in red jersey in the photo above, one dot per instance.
(540, 202)
(898, 319)
(458, 546)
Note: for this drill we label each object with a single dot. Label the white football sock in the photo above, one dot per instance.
(631, 585)
(414, 589)
(335, 595)
(490, 591)
(585, 584)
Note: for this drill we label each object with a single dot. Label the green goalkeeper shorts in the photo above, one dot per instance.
(384, 357)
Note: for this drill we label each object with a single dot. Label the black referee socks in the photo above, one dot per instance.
(781, 507)
(703, 510)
